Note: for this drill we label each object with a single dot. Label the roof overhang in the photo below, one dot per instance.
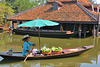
(72, 22)
(79, 22)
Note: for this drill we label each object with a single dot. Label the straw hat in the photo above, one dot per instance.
(25, 37)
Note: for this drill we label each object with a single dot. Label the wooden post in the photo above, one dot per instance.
(84, 31)
(98, 9)
(12, 25)
(61, 27)
(92, 7)
(74, 28)
(93, 30)
(97, 32)
(79, 30)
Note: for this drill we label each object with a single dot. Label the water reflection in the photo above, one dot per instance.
(95, 63)
(87, 59)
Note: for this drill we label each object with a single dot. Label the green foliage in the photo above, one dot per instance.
(9, 7)
(4, 11)
(21, 5)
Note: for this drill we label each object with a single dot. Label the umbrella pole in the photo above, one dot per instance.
(39, 38)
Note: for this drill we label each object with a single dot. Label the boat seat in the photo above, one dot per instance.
(84, 47)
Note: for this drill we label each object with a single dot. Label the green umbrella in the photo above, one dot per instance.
(38, 23)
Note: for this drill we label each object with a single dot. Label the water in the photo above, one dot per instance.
(87, 59)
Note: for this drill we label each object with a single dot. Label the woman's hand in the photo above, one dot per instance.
(29, 51)
(34, 44)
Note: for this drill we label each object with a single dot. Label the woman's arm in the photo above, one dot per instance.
(32, 44)
(28, 51)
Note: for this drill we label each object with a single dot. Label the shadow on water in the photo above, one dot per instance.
(5, 61)
(74, 61)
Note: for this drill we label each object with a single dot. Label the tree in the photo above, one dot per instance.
(22, 5)
(4, 11)
(9, 7)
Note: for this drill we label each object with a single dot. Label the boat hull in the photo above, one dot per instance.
(18, 55)
(55, 34)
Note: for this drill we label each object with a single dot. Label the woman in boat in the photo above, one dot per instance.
(26, 45)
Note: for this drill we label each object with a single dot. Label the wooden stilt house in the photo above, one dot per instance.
(73, 17)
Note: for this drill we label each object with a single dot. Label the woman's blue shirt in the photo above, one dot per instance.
(26, 46)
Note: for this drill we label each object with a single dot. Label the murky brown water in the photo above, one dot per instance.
(87, 59)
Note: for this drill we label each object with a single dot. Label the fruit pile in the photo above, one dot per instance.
(45, 49)
(56, 49)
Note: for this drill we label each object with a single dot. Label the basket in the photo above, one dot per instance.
(56, 52)
(46, 53)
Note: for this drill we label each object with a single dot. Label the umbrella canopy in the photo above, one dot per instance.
(38, 23)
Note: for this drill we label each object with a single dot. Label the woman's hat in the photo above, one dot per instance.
(25, 37)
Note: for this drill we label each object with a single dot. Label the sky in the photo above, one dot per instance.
(98, 1)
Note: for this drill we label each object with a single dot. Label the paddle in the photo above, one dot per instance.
(28, 54)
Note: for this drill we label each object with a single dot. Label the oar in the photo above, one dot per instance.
(28, 54)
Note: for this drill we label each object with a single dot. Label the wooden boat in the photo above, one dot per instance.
(77, 59)
(69, 52)
(44, 33)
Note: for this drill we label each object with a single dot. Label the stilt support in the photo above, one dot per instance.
(80, 30)
(12, 27)
(92, 7)
(94, 31)
(61, 27)
(97, 33)
(84, 31)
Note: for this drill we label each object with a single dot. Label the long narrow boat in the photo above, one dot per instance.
(69, 52)
(44, 33)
